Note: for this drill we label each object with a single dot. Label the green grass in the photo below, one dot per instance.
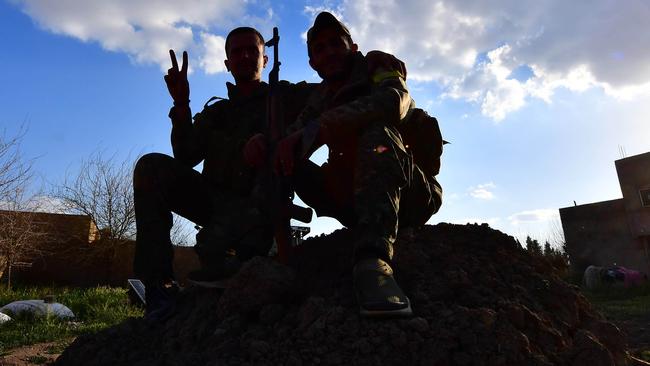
(644, 355)
(95, 309)
(620, 303)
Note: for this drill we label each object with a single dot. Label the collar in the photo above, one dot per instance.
(234, 95)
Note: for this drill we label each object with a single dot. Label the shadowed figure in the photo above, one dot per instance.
(218, 198)
(370, 182)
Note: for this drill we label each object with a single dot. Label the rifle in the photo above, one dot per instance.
(278, 188)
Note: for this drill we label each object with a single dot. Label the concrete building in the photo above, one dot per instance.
(616, 231)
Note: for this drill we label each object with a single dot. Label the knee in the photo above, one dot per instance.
(147, 168)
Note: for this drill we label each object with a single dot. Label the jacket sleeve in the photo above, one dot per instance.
(389, 101)
(188, 139)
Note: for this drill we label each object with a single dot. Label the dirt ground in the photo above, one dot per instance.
(636, 331)
(478, 298)
(35, 354)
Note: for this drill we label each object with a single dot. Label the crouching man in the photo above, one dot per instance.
(369, 183)
(219, 198)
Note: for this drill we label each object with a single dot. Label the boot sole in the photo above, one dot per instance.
(402, 313)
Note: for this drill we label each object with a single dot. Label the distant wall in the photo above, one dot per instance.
(185, 260)
(64, 263)
(67, 269)
(616, 231)
(598, 234)
(633, 176)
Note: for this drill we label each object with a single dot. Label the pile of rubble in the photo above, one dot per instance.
(478, 299)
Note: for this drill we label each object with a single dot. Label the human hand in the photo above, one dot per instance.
(176, 80)
(381, 62)
(286, 152)
(255, 150)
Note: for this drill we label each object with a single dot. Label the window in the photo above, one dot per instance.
(645, 197)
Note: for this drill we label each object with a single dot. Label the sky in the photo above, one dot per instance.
(538, 99)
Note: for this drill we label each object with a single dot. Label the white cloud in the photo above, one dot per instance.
(146, 29)
(214, 53)
(472, 48)
(534, 216)
(483, 191)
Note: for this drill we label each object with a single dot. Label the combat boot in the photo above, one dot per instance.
(218, 260)
(160, 300)
(378, 294)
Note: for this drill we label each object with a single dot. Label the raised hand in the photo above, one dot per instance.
(286, 153)
(176, 80)
(380, 62)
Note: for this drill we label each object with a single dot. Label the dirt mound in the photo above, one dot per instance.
(478, 299)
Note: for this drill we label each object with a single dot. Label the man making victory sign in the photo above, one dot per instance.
(234, 226)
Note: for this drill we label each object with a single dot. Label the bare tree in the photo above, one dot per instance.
(102, 190)
(15, 172)
(556, 234)
(182, 231)
(20, 231)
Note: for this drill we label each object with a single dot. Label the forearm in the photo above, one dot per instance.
(184, 137)
(389, 102)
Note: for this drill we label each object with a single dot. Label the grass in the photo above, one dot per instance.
(95, 309)
(619, 303)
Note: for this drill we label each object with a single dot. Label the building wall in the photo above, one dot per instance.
(616, 231)
(598, 234)
(70, 256)
(80, 269)
(634, 175)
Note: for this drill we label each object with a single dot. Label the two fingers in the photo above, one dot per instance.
(174, 68)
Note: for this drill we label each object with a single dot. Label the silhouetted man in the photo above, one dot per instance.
(369, 183)
(218, 198)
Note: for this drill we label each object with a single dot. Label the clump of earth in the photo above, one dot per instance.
(478, 299)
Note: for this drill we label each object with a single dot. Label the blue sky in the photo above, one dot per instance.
(537, 99)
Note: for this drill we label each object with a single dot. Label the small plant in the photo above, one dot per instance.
(95, 309)
(618, 302)
(38, 359)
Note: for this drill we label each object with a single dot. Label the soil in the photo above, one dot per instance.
(478, 299)
(35, 354)
(637, 332)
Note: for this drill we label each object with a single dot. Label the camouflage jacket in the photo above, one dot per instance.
(219, 132)
(381, 97)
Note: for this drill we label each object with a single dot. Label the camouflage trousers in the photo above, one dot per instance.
(370, 184)
(163, 185)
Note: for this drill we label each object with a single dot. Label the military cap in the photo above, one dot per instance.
(326, 20)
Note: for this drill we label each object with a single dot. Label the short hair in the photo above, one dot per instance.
(241, 30)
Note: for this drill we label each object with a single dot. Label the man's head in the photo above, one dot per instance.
(330, 47)
(245, 57)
